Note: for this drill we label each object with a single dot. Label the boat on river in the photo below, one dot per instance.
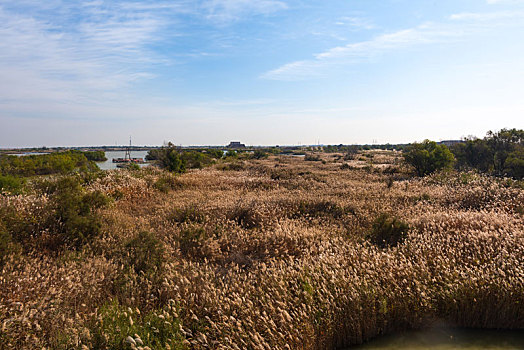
(127, 160)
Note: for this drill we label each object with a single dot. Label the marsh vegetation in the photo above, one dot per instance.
(273, 252)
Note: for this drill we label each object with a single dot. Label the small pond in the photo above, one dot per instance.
(448, 339)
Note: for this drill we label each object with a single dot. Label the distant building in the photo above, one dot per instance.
(236, 144)
(450, 143)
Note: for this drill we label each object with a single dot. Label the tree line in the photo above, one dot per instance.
(178, 160)
(498, 153)
(14, 169)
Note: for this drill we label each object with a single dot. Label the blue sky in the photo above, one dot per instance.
(265, 72)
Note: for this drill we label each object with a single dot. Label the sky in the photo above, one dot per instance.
(263, 72)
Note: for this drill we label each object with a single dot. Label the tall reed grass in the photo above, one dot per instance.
(246, 259)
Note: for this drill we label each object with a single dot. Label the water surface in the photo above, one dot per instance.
(108, 164)
(28, 154)
(449, 339)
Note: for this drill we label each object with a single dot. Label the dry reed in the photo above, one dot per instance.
(272, 255)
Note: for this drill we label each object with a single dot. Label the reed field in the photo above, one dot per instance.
(286, 252)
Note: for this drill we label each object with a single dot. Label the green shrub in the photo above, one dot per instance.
(281, 174)
(352, 152)
(214, 153)
(132, 166)
(231, 154)
(68, 218)
(259, 154)
(391, 169)
(191, 240)
(74, 218)
(20, 225)
(312, 158)
(428, 156)
(166, 182)
(319, 208)
(388, 231)
(196, 160)
(118, 327)
(11, 184)
(173, 162)
(5, 242)
(245, 215)
(187, 214)
(145, 253)
(232, 166)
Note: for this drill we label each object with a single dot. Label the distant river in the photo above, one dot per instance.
(108, 164)
(448, 339)
(27, 154)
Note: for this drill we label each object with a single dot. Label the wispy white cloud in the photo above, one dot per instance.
(457, 27)
(357, 52)
(421, 35)
(91, 47)
(232, 10)
(492, 2)
(500, 16)
(356, 23)
(82, 58)
(342, 27)
(179, 6)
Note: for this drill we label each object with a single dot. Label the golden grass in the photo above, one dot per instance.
(274, 256)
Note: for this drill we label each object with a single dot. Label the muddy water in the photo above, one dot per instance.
(449, 339)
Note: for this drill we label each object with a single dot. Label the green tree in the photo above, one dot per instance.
(473, 153)
(170, 159)
(502, 144)
(46, 164)
(514, 164)
(96, 156)
(215, 153)
(195, 160)
(153, 154)
(428, 156)
(499, 153)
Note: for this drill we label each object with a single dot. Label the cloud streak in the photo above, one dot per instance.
(233, 10)
(494, 2)
(360, 51)
(458, 26)
(356, 23)
(102, 54)
(85, 51)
